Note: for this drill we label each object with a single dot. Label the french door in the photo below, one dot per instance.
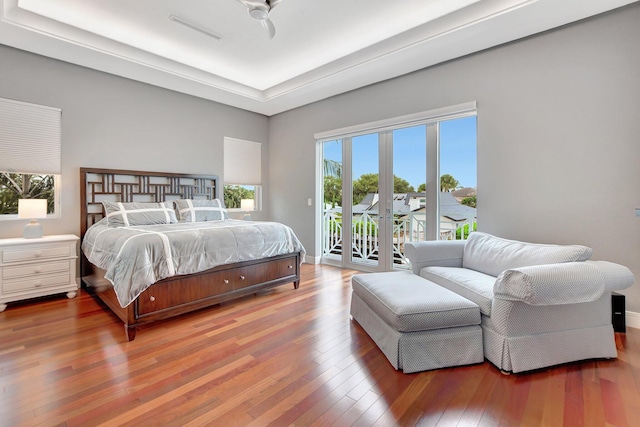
(384, 188)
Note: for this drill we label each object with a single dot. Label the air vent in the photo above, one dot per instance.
(195, 27)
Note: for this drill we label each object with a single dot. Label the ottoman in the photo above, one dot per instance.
(417, 324)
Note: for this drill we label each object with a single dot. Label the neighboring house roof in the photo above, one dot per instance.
(449, 206)
(463, 193)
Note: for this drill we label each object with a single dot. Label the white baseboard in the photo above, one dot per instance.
(316, 260)
(633, 319)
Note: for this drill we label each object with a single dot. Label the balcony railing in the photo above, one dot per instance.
(409, 227)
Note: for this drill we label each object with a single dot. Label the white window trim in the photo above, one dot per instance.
(424, 117)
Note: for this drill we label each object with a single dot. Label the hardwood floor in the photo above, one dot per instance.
(285, 357)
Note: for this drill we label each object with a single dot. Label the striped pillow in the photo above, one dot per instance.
(137, 213)
(191, 210)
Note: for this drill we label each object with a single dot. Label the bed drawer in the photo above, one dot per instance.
(215, 286)
(278, 269)
(163, 295)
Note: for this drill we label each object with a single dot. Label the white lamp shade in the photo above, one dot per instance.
(247, 205)
(32, 208)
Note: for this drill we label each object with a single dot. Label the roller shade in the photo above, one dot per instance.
(242, 162)
(30, 138)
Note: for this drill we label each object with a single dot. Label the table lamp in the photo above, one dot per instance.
(32, 209)
(247, 205)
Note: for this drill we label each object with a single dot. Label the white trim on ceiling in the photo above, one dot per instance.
(479, 26)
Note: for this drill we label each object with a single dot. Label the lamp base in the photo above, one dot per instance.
(33, 230)
(247, 217)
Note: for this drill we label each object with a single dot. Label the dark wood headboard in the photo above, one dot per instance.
(118, 185)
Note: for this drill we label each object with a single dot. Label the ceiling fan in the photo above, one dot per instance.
(259, 10)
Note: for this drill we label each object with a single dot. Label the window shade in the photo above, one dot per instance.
(30, 138)
(242, 162)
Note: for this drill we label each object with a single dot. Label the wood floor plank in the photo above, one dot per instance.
(282, 357)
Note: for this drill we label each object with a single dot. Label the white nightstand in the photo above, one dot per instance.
(37, 267)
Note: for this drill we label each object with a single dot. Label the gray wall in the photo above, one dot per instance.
(112, 122)
(558, 137)
(558, 133)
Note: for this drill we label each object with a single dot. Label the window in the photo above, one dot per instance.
(404, 179)
(30, 145)
(242, 173)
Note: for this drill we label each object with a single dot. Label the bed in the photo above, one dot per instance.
(172, 287)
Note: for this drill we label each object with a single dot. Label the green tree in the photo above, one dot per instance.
(332, 168)
(233, 194)
(448, 183)
(422, 188)
(401, 185)
(332, 190)
(15, 186)
(367, 183)
(469, 201)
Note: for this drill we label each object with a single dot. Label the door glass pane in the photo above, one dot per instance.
(458, 176)
(364, 198)
(409, 183)
(332, 191)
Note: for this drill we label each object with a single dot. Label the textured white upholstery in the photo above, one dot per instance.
(420, 350)
(492, 255)
(551, 284)
(443, 253)
(541, 314)
(417, 324)
(471, 284)
(409, 303)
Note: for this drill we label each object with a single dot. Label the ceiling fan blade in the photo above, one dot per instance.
(274, 3)
(254, 3)
(268, 25)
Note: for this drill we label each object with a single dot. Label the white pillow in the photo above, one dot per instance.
(197, 210)
(492, 255)
(137, 213)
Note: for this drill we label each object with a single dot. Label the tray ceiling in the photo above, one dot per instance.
(213, 49)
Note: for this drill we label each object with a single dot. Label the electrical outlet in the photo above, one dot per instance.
(309, 202)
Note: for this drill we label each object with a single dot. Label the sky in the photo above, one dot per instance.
(457, 152)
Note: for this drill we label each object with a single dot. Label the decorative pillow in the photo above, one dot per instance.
(198, 210)
(137, 213)
(492, 255)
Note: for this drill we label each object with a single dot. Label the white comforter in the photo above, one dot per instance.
(136, 257)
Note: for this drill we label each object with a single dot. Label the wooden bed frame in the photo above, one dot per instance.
(179, 294)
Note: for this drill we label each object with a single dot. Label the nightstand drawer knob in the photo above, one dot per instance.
(38, 270)
(152, 298)
(37, 254)
(226, 281)
(290, 267)
(242, 277)
(38, 285)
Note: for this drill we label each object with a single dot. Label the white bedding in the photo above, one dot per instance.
(136, 257)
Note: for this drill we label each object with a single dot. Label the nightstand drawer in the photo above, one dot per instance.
(34, 269)
(32, 254)
(37, 282)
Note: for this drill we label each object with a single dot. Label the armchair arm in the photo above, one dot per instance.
(616, 276)
(551, 284)
(443, 253)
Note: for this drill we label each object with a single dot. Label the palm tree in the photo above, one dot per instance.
(15, 186)
(448, 183)
(332, 168)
